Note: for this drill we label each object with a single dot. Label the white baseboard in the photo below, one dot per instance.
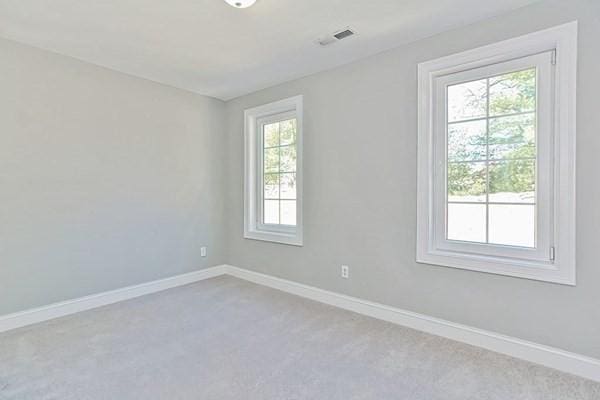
(40, 314)
(561, 360)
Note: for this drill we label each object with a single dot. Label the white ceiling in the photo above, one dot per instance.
(211, 48)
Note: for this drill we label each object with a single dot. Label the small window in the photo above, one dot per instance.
(278, 171)
(273, 172)
(496, 158)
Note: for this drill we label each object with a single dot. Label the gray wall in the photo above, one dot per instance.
(105, 180)
(360, 137)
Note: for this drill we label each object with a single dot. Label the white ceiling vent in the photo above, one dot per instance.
(336, 36)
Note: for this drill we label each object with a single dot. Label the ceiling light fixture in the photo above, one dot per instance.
(240, 3)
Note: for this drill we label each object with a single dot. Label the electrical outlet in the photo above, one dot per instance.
(345, 271)
(203, 251)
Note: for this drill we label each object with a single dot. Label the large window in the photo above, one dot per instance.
(491, 163)
(496, 158)
(273, 186)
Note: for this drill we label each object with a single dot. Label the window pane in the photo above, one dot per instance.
(288, 132)
(512, 137)
(288, 212)
(271, 212)
(512, 225)
(467, 141)
(466, 222)
(467, 182)
(512, 181)
(271, 135)
(271, 186)
(513, 93)
(271, 160)
(288, 159)
(467, 100)
(288, 186)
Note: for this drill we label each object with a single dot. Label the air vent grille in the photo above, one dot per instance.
(336, 36)
(343, 34)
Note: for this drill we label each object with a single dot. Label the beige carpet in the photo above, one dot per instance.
(228, 339)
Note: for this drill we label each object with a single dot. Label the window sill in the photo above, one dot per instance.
(293, 239)
(536, 270)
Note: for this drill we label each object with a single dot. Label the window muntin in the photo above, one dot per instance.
(278, 171)
(491, 159)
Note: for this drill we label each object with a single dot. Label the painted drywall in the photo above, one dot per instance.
(361, 138)
(105, 180)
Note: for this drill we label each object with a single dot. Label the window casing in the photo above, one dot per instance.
(273, 183)
(496, 158)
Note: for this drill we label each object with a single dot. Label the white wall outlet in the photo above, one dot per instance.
(345, 271)
(203, 251)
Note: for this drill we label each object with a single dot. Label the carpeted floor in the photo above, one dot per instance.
(225, 338)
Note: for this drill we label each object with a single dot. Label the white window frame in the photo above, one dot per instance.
(254, 119)
(554, 258)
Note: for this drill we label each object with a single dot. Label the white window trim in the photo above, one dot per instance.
(563, 40)
(253, 228)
